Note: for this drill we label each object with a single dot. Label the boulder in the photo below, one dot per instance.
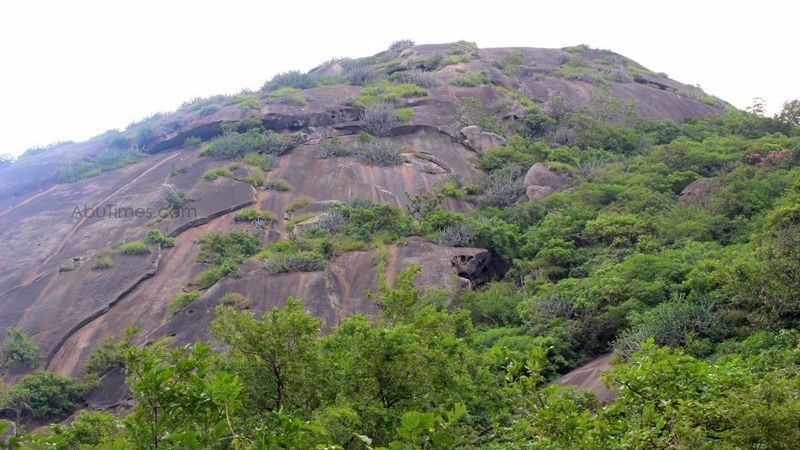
(541, 180)
(479, 140)
(697, 192)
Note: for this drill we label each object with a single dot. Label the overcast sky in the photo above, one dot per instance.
(74, 69)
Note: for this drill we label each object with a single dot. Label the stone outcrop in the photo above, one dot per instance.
(541, 180)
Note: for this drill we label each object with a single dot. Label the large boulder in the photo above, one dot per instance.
(479, 140)
(541, 180)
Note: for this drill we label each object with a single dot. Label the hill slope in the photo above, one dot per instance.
(453, 102)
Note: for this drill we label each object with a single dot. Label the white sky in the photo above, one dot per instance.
(73, 69)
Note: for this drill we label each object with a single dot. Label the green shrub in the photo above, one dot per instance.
(287, 96)
(234, 144)
(182, 300)
(236, 300)
(209, 109)
(106, 357)
(103, 260)
(67, 267)
(157, 237)
(134, 248)
(207, 277)
(252, 215)
(387, 92)
(415, 76)
(298, 262)
(404, 114)
(332, 148)
(292, 78)
(18, 349)
(199, 103)
(471, 79)
(378, 153)
(380, 118)
(298, 203)
(99, 162)
(255, 176)
(44, 395)
(509, 62)
(191, 141)
(278, 184)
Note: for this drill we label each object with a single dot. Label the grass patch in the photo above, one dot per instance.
(287, 95)
(289, 226)
(278, 184)
(472, 79)
(103, 259)
(384, 91)
(157, 237)
(134, 248)
(67, 267)
(236, 300)
(252, 215)
(298, 203)
(182, 300)
(99, 162)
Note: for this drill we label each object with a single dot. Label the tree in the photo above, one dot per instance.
(270, 353)
(790, 112)
(43, 394)
(18, 349)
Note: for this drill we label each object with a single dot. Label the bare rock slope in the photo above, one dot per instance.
(53, 233)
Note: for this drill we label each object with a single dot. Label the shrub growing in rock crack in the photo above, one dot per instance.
(298, 262)
(416, 76)
(504, 187)
(378, 153)
(332, 221)
(380, 118)
(459, 235)
(359, 76)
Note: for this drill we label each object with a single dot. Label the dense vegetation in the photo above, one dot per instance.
(674, 244)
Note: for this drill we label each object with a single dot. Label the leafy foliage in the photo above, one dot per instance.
(18, 349)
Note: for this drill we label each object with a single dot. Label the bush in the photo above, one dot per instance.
(18, 349)
(157, 237)
(182, 300)
(459, 235)
(108, 356)
(676, 323)
(359, 76)
(378, 153)
(234, 144)
(134, 248)
(415, 76)
(472, 79)
(505, 187)
(332, 221)
(292, 79)
(210, 175)
(209, 109)
(332, 149)
(207, 277)
(99, 162)
(191, 141)
(379, 118)
(278, 184)
(44, 394)
(298, 262)
(103, 260)
(67, 267)
(298, 203)
(252, 215)
(236, 300)
(255, 176)
(287, 96)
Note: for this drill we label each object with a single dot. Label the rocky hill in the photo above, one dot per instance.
(68, 280)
